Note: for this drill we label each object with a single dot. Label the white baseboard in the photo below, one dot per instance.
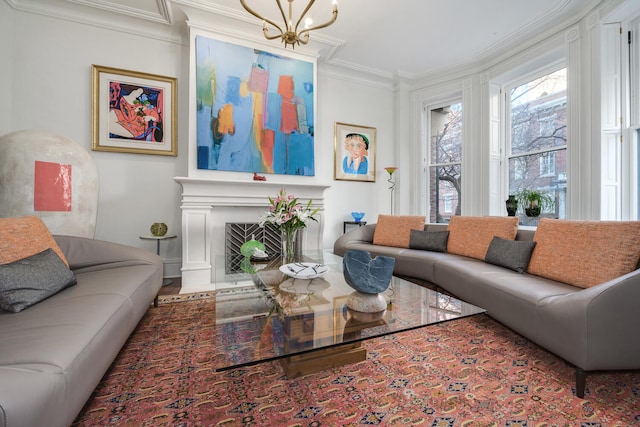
(172, 267)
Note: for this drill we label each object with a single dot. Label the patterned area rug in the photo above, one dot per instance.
(469, 372)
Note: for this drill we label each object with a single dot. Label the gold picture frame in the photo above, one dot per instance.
(133, 112)
(354, 152)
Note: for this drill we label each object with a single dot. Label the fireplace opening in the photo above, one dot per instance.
(237, 233)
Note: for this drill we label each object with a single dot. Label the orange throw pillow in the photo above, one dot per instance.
(471, 235)
(395, 230)
(25, 236)
(585, 253)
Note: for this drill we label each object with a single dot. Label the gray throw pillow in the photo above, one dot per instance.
(512, 254)
(28, 281)
(435, 241)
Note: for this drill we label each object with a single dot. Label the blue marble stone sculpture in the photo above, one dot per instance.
(366, 275)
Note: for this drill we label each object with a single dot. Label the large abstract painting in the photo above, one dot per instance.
(255, 110)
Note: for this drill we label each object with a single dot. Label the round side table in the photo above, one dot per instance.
(165, 282)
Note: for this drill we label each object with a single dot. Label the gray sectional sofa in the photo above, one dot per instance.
(594, 329)
(53, 354)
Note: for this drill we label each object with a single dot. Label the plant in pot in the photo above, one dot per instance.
(533, 201)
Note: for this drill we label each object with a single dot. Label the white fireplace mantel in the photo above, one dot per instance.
(207, 204)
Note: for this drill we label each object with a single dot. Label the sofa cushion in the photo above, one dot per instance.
(25, 236)
(471, 235)
(435, 241)
(28, 281)
(511, 254)
(394, 230)
(600, 250)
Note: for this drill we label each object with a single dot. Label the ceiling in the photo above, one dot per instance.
(406, 38)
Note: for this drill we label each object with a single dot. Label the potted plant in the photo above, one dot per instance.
(533, 201)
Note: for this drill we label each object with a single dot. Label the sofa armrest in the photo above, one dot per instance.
(595, 328)
(84, 254)
(362, 234)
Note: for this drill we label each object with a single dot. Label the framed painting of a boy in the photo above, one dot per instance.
(355, 152)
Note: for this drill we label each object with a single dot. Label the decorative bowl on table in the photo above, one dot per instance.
(304, 270)
(159, 229)
(357, 216)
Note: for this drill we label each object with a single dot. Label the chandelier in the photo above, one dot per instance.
(290, 35)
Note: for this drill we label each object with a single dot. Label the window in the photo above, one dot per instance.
(538, 137)
(519, 168)
(445, 161)
(548, 164)
(448, 204)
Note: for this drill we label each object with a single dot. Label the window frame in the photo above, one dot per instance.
(507, 153)
(429, 164)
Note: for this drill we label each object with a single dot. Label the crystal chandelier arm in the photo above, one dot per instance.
(265, 20)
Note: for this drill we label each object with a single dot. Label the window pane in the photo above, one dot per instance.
(525, 172)
(444, 192)
(539, 114)
(446, 134)
(445, 157)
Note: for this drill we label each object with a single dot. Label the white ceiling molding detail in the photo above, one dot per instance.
(155, 10)
(320, 46)
(231, 34)
(412, 40)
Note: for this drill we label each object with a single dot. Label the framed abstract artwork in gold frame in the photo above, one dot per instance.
(133, 112)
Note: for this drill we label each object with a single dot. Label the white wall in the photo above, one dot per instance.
(50, 89)
(48, 82)
(6, 38)
(345, 100)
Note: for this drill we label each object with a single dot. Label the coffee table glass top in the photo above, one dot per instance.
(263, 314)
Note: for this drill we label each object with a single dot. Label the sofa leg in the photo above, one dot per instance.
(581, 382)
(155, 301)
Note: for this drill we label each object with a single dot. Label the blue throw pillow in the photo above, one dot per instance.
(28, 281)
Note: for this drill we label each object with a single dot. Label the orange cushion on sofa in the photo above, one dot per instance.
(585, 253)
(471, 235)
(395, 230)
(23, 237)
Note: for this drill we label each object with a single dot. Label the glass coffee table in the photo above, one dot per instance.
(263, 314)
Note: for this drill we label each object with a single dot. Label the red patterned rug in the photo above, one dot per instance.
(469, 372)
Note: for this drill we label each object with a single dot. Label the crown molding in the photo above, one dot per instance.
(163, 14)
(81, 15)
(323, 46)
(249, 39)
(236, 23)
(330, 71)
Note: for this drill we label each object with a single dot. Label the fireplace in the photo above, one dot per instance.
(236, 233)
(209, 204)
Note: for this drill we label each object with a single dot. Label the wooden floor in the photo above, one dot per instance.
(173, 288)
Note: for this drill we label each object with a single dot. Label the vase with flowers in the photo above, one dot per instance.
(286, 214)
